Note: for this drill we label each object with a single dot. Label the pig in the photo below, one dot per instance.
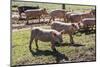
(87, 22)
(45, 35)
(21, 9)
(58, 13)
(74, 17)
(69, 28)
(87, 15)
(36, 13)
(68, 16)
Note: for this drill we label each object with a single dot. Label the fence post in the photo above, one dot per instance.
(63, 6)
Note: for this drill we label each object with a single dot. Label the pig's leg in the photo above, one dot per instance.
(20, 15)
(53, 18)
(39, 19)
(36, 43)
(43, 18)
(27, 20)
(53, 47)
(50, 20)
(68, 20)
(31, 40)
(71, 39)
(65, 20)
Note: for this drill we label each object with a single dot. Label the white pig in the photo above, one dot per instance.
(44, 35)
(69, 28)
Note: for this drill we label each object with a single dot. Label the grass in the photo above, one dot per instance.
(21, 55)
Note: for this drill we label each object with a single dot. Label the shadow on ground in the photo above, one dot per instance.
(59, 57)
(87, 32)
(70, 44)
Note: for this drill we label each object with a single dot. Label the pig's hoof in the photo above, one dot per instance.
(72, 43)
(27, 23)
(37, 49)
(54, 49)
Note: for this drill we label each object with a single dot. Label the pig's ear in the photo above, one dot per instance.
(62, 32)
(73, 25)
(80, 24)
(53, 34)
